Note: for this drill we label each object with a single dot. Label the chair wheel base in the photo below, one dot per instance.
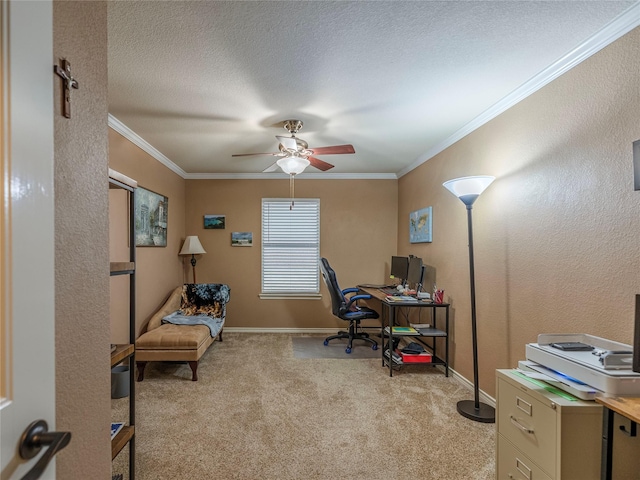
(374, 346)
(326, 342)
(348, 350)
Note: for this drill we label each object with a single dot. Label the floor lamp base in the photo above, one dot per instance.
(485, 413)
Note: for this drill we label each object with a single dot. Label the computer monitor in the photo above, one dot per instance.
(428, 278)
(414, 272)
(400, 268)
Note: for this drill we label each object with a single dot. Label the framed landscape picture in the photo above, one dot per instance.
(151, 211)
(420, 226)
(241, 239)
(215, 222)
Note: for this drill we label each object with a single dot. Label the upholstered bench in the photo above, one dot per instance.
(184, 327)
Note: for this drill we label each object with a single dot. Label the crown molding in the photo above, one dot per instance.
(619, 26)
(284, 176)
(134, 138)
(137, 140)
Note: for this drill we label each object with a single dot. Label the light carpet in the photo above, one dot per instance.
(314, 347)
(257, 412)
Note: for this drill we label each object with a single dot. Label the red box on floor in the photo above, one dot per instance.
(415, 357)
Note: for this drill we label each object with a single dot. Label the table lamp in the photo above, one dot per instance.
(193, 247)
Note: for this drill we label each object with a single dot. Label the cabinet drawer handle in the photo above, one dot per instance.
(519, 425)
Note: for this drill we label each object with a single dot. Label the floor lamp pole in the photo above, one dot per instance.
(193, 266)
(474, 410)
(468, 189)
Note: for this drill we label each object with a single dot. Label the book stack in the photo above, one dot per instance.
(403, 331)
(395, 358)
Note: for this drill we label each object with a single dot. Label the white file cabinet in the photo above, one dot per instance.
(544, 436)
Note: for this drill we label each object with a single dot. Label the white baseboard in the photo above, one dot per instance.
(485, 398)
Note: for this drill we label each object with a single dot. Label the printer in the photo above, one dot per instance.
(583, 365)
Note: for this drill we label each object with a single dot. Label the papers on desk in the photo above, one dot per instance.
(402, 299)
(371, 285)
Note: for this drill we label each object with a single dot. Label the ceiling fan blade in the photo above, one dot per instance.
(288, 142)
(334, 150)
(319, 164)
(250, 154)
(271, 168)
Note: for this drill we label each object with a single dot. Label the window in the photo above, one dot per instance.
(290, 247)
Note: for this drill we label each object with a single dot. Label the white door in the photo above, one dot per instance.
(27, 355)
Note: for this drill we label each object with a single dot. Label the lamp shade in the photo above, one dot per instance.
(192, 246)
(293, 165)
(468, 189)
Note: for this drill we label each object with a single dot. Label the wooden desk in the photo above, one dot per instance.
(391, 307)
(628, 407)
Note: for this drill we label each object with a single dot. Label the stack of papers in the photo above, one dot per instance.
(401, 298)
(418, 326)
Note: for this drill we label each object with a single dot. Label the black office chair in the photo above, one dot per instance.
(347, 309)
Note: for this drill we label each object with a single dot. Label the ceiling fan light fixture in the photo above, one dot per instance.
(293, 165)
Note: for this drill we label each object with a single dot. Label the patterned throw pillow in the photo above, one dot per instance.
(204, 299)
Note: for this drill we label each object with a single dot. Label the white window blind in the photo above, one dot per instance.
(290, 246)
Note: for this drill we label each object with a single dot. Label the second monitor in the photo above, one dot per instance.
(415, 272)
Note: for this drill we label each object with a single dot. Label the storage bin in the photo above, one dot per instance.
(415, 357)
(120, 381)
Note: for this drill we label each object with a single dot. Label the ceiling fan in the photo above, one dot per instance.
(295, 154)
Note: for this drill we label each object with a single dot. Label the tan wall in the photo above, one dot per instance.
(83, 402)
(158, 269)
(357, 235)
(556, 236)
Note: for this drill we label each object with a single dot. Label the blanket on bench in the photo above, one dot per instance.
(178, 318)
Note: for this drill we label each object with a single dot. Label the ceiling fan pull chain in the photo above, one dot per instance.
(291, 190)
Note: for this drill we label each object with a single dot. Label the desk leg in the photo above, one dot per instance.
(382, 334)
(607, 444)
(434, 322)
(392, 322)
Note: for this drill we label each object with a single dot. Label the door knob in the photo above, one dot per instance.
(33, 439)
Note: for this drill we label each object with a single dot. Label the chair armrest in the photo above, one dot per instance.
(355, 298)
(350, 290)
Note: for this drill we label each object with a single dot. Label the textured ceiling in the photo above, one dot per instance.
(200, 81)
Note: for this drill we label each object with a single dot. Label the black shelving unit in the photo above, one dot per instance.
(126, 352)
(427, 337)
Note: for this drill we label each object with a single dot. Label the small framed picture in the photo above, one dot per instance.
(420, 226)
(242, 239)
(214, 222)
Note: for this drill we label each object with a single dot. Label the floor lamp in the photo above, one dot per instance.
(468, 189)
(193, 247)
